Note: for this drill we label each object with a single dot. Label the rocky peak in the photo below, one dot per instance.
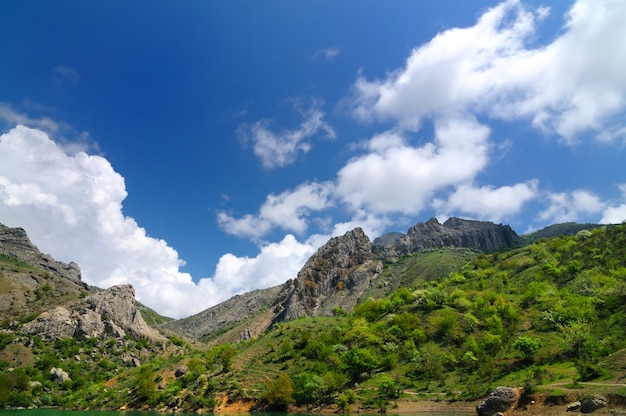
(334, 276)
(14, 242)
(455, 232)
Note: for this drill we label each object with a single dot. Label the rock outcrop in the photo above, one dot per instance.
(336, 275)
(455, 232)
(14, 242)
(109, 313)
(342, 271)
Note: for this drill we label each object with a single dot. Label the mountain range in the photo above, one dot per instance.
(45, 308)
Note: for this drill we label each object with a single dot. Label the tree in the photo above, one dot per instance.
(226, 355)
(526, 345)
(279, 393)
(145, 387)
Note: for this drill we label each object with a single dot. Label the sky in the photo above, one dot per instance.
(205, 149)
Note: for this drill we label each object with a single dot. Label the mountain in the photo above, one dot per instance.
(343, 272)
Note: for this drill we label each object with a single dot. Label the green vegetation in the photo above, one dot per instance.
(550, 313)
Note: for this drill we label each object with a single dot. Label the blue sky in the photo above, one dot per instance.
(201, 150)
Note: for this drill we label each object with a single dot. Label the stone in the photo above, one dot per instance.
(499, 401)
(592, 403)
(573, 406)
(59, 375)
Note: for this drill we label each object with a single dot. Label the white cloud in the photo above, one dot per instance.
(288, 210)
(569, 86)
(12, 118)
(397, 177)
(565, 207)
(328, 54)
(71, 207)
(488, 203)
(615, 214)
(278, 149)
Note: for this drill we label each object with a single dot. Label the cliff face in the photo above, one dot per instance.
(104, 314)
(455, 232)
(335, 276)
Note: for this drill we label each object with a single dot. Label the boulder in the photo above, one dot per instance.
(592, 403)
(59, 375)
(499, 401)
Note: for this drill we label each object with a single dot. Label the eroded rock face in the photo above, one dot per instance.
(111, 313)
(51, 325)
(499, 401)
(334, 276)
(117, 305)
(455, 232)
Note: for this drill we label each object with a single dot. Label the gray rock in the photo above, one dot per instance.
(51, 325)
(335, 276)
(59, 375)
(573, 406)
(89, 325)
(245, 335)
(499, 400)
(457, 232)
(592, 403)
(117, 308)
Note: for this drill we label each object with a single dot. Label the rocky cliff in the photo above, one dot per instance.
(105, 314)
(455, 232)
(15, 243)
(335, 276)
(35, 284)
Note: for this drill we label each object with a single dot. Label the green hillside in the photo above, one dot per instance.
(549, 317)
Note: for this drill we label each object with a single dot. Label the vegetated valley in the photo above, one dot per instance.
(440, 323)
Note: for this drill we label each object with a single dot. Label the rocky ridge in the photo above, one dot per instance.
(36, 284)
(342, 271)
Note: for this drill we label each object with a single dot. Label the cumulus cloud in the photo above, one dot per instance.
(288, 210)
(572, 206)
(569, 86)
(397, 177)
(71, 207)
(281, 148)
(488, 203)
(615, 214)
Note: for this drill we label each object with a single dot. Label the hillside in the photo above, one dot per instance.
(444, 323)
